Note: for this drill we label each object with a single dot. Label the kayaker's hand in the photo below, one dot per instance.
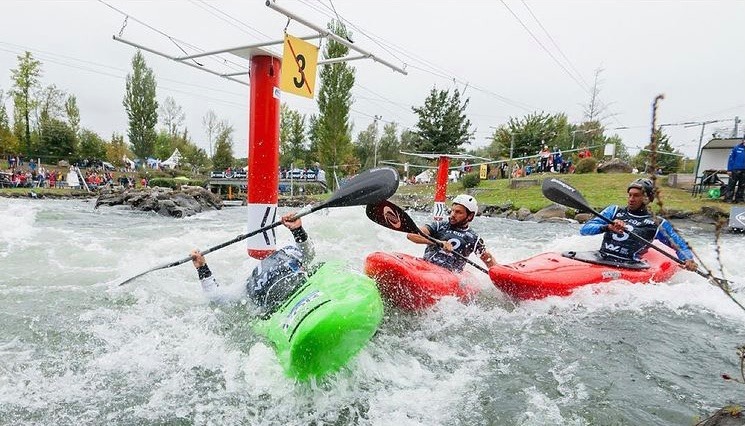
(690, 265)
(291, 222)
(446, 245)
(618, 226)
(488, 259)
(197, 258)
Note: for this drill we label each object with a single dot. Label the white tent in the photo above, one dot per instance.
(714, 154)
(173, 160)
(424, 177)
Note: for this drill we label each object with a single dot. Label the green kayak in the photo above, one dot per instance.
(324, 323)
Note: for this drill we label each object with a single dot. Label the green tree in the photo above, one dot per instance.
(442, 126)
(526, 136)
(117, 149)
(91, 145)
(366, 145)
(8, 141)
(389, 146)
(25, 81)
(141, 106)
(57, 140)
(666, 158)
(73, 113)
(330, 130)
(164, 145)
(291, 137)
(223, 157)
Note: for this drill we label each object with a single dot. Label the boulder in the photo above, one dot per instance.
(583, 217)
(552, 211)
(523, 214)
(187, 201)
(615, 165)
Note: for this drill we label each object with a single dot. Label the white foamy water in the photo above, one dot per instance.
(76, 349)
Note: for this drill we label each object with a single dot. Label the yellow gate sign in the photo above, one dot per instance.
(482, 172)
(299, 61)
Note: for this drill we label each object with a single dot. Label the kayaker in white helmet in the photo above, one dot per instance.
(454, 235)
(274, 279)
(618, 245)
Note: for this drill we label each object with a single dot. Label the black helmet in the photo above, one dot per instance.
(645, 185)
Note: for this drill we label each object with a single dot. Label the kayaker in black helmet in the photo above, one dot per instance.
(456, 235)
(274, 279)
(618, 245)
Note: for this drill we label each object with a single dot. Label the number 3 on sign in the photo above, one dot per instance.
(299, 60)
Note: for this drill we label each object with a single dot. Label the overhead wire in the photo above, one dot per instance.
(427, 66)
(177, 42)
(576, 78)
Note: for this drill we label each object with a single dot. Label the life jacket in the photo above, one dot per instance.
(625, 247)
(276, 278)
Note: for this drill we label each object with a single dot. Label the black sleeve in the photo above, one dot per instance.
(300, 235)
(204, 272)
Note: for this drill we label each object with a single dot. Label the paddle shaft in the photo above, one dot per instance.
(299, 214)
(439, 244)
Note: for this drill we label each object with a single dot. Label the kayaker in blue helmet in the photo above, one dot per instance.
(455, 235)
(274, 279)
(620, 246)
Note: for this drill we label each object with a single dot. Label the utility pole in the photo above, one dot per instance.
(375, 142)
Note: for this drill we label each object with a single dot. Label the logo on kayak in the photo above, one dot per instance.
(611, 275)
(297, 308)
(392, 217)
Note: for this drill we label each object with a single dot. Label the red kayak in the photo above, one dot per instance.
(558, 274)
(412, 283)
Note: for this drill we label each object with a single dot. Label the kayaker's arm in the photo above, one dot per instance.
(210, 286)
(483, 254)
(416, 238)
(670, 238)
(597, 225)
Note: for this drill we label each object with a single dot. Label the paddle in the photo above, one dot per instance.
(564, 194)
(394, 217)
(367, 187)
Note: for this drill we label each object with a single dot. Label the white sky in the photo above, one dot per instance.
(691, 51)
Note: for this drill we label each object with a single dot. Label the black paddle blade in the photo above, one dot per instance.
(562, 193)
(367, 187)
(391, 216)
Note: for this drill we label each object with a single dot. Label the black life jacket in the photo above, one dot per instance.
(625, 247)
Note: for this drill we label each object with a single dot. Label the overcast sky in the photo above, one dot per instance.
(511, 58)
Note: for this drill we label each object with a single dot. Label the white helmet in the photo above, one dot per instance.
(468, 202)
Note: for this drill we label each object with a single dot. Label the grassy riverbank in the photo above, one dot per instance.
(598, 189)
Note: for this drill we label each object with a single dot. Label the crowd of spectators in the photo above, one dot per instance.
(29, 174)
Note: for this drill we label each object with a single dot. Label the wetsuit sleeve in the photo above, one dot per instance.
(212, 289)
(304, 244)
(480, 247)
(670, 238)
(597, 225)
(433, 228)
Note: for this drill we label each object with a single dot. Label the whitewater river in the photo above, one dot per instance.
(76, 349)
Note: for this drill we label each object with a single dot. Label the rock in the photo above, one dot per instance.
(552, 211)
(583, 217)
(728, 416)
(523, 214)
(187, 201)
(615, 165)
